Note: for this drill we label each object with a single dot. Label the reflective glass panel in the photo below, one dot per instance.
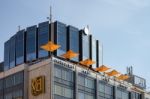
(94, 57)
(20, 47)
(6, 55)
(61, 33)
(31, 43)
(86, 43)
(74, 41)
(12, 52)
(43, 38)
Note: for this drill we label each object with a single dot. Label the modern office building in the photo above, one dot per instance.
(30, 72)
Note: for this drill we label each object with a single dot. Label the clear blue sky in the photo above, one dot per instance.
(121, 25)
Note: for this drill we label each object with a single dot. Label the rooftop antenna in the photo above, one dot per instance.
(50, 15)
(131, 70)
(19, 27)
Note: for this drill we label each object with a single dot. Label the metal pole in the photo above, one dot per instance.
(50, 19)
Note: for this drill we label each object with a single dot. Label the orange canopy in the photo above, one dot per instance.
(87, 62)
(102, 68)
(113, 73)
(70, 54)
(50, 46)
(123, 77)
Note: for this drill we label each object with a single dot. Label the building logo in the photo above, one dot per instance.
(38, 85)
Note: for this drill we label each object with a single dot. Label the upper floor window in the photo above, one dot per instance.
(105, 91)
(86, 81)
(122, 94)
(64, 74)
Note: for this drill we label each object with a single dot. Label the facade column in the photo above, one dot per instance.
(114, 92)
(26, 82)
(96, 86)
(51, 78)
(76, 83)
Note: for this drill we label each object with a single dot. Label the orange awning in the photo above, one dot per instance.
(102, 68)
(50, 46)
(123, 77)
(113, 73)
(70, 54)
(87, 62)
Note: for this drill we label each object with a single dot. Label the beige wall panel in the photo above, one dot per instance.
(12, 71)
(40, 69)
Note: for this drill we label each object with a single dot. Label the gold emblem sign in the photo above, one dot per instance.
(38, 85)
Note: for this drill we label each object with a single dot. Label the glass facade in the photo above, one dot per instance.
(63, 83)
(6, 55)
(31, 42)
(1, 88)
(73, 41)
(105, 91)
(43, 38)
(135, 95)
(25, 45)
(12, 86)
(100, 53)
(61, 37)
(85, 47)
(12, 51)
(93, 51)
(122, 94)
(86, 87)
(20, 47)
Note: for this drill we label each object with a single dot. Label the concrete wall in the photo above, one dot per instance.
(40, 69)
(12, 71)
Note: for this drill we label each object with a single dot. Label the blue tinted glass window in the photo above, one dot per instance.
(86, 82)
(122, 94)
(64, 74)
(8, 96)
(100, 47)
(18, 94)
(61, 38)
(63, 83)
(87, 85)
(18, 78)
(31, 43)
(85, 41)
(105, 91)
(20, 47)
(43, 38)
(74, 41)
(83, 95)
(6, 55)
(9, 81)
(94, 58)
(1, 85)
(14, 86)
(135, 95)
(62, 92)
(1, 88)
(12, 52)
